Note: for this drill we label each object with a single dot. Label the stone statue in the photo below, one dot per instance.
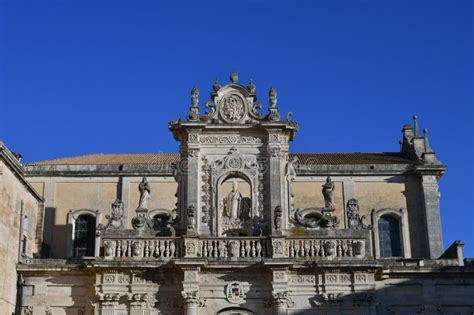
(354, 220)
(144, 188)
(191, 219)
(291, 169)
(116, 217)
(328, 191)
(277, 219)
(233, 203)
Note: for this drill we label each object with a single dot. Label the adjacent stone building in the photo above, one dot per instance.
(235, 223)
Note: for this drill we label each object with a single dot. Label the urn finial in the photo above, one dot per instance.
(234, 77)
(251, 87)
(216, 86)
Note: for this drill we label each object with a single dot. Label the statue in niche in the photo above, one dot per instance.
(233, 203)
(354, 220)
(328, 193)
(291, 169)
(144, 188)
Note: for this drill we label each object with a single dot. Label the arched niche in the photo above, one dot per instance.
(162, 221)
(236, 204)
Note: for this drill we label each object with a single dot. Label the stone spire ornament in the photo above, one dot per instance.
(415, 126)
(273, 115)
(234, 77)
(251, 87)
(193, 114)
(216, 86)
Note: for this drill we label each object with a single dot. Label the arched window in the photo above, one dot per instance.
(84, 235)
(389, 236)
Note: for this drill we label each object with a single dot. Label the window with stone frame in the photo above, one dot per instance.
(389, 236)
(84, 235)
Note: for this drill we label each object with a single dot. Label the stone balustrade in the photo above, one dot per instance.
(138, 248)
(234, 248)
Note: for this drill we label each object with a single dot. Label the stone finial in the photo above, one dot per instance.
(273, 97)
(415, 126)
(234, 77)
(193, 114)
(273, 115)
(251, 87)
(216, 86)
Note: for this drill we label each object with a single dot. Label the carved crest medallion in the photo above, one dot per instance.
(232, 108)
(234, 293)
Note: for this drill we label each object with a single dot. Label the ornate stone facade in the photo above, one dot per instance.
(235, 223)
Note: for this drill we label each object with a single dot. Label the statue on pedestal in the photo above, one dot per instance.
(328, 193)
(144, 188)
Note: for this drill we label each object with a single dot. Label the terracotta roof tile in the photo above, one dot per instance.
(167, 158)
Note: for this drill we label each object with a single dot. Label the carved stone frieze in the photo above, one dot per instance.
(231, 139)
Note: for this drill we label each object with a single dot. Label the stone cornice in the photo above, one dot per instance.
(17, 169)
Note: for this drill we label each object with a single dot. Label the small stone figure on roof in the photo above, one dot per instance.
(291, 169)
(144, 188)
(328, 193)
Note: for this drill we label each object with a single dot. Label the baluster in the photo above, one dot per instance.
(349, 250)
(204, 249)
(247, 248)
(242, 248)
(344, 247)
(215, 249)
(339, 248)
(162, 249)
(322, 249)
(118, 250)
(129, 248)
(307, 248)
(311, 248)
(253, 251)
(291, 248)
(155, 252)
(146, 254)
(297, 248)
(172, 248)
(258, 247)
(167, 248)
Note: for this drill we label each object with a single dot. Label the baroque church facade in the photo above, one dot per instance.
(235, 223)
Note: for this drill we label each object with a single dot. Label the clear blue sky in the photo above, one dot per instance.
(81, 77)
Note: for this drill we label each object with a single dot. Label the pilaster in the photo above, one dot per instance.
(429, 186)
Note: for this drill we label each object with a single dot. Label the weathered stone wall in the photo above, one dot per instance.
(63, 194)
(15, 200)
(59, 293)
(333, 289)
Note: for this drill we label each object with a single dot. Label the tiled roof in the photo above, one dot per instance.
(167, 158)
(351, 158)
